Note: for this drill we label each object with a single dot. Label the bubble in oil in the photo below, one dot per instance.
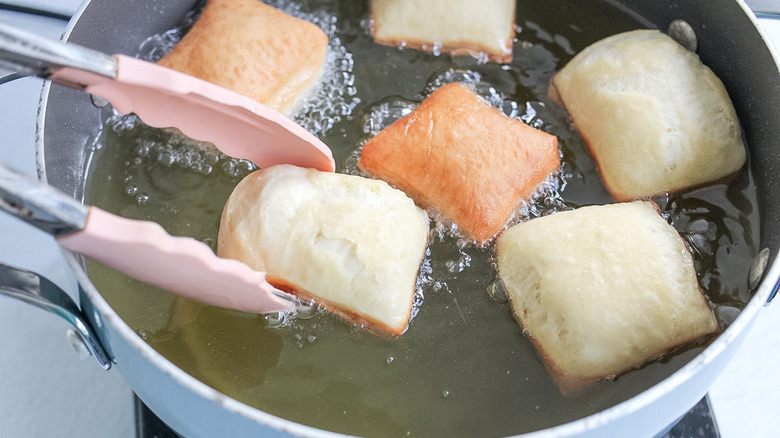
(757, 269)
(350, 163)
(531, 115)
(155, 47)
(545, 200)
(423, 280)
(454, 75)
(385, 113)
(277, 319)
(305, 309)
(726, 314)
(459, 265)
(497, 292)
(511, 109)
(418, 298)
(143, 149)
(120, 123)
(487, 91)
(336, 96)
(700, 234)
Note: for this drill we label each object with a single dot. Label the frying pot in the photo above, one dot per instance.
(729, 43)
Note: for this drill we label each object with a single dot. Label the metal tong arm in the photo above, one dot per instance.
(38, 204)
(141, 249)
(30, 53)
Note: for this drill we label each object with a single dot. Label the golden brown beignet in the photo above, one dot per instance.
(253, 49)
(602, 289)
(458, 154)
(455, 26)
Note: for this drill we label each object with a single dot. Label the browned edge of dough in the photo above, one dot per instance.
(574, 386)
(370, 324)
(459, 48)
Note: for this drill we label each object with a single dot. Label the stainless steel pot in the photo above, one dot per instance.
(729, 42)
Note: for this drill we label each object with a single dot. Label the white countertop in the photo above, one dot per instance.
(46, 391)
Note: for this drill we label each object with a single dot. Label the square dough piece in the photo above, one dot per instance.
(456, 153)
(455, 26)
(602, 289)
(352, 243)
(653, 116)
(253, 49)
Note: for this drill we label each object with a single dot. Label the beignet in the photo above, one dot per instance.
(352, 243)
(458, 154)
(253, 49)
(602, 289)
(653, 116)
(455, 26)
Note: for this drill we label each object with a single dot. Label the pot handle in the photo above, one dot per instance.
(34, 289)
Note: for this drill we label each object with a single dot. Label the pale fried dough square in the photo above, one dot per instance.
(353, 244)
(654, 117)
(602, 289)
(455, 26)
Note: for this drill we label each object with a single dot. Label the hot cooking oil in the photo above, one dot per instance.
(464, 367)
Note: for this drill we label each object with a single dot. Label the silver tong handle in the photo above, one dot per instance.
(30, 53)
(38, 204)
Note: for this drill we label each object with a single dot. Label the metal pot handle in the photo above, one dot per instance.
(58, 215)
(37, 290)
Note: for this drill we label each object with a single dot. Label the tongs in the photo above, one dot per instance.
(141, 249)
(161, 97)
(238, 126)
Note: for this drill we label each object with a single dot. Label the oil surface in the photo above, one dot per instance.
(464, 367)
